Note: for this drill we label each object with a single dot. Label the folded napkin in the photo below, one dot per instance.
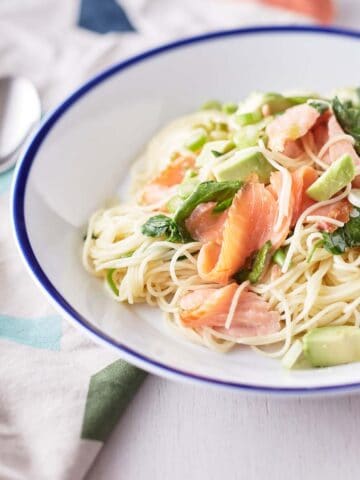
(61, 394)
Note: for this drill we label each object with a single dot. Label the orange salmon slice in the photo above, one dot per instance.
(162, 185)
(206, 226)
(247, 227)
(302, 178)
(294, 123)
(210, 307)
(231, 237)
(338, 211)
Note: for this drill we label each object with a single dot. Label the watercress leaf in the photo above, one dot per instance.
(352, 229)
(349, 118)
(161, 226)
(210, 191)
(344, 237)
(319, 105)
(335, 242)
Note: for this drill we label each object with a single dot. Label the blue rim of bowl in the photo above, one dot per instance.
(18, 206)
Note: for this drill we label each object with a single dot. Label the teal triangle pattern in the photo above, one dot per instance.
(43, 332)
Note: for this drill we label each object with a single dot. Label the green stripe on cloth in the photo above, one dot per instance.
(110, 391)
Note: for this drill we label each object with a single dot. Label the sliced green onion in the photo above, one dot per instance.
(197, 140)
(190, 174)
(222, 126)
(110, 281)
(229, 108)
(211, 105)
(279, 257)
(248, 118)
(318, 244)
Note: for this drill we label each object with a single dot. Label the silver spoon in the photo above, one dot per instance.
(20, 111)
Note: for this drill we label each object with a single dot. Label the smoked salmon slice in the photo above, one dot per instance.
(231, 237)
(248, 224)
(206, 226)
(210, 307)
(338, 211)
(294, 123)
(293, 149)
(162, 185)
(302, 178)
(320, 136)
(242, 235)
(341, 147)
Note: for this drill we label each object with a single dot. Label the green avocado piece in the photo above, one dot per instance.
(336, 177)
(197, 140)
(249, 135)
(250, 110)
(328, 346)
(241, 165)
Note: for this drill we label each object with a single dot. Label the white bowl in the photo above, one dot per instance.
(81, 155)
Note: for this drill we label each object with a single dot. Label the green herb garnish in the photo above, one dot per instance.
(348, 115)
(210, 191)
(345, 237)
(320, 105)
(279, 257)
(161, 226)
(174, 229)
